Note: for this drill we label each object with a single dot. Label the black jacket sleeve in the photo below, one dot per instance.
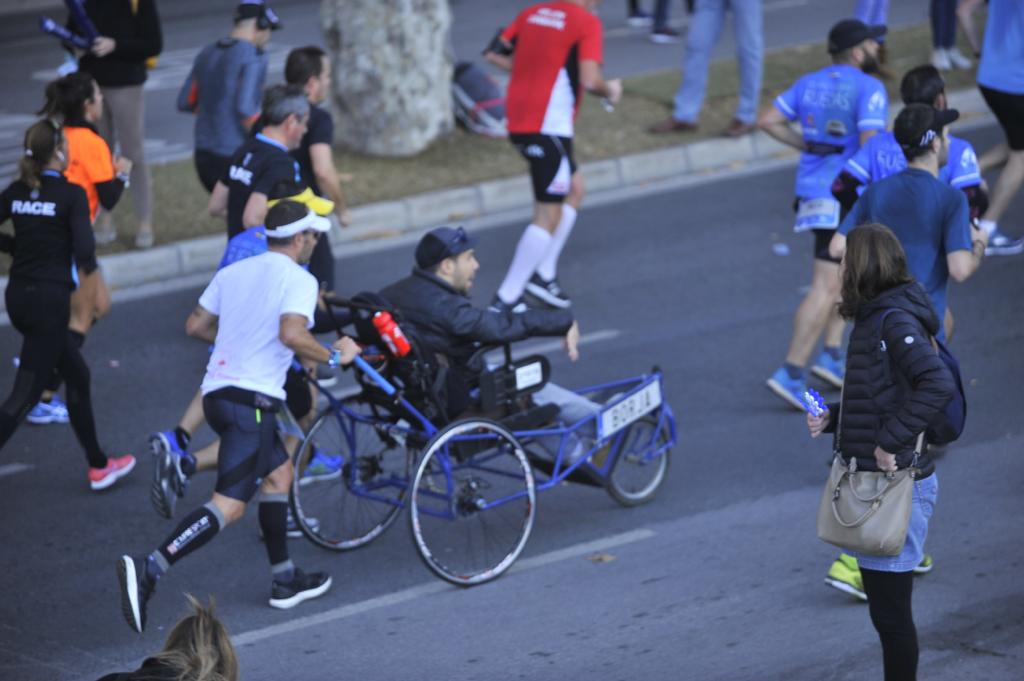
(109, 192)
(487, 326)
(931, 384)
(148, 42)
(83, 243)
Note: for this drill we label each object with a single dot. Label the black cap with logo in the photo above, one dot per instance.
(918, 124)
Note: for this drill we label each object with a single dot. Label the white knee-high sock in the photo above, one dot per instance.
(548, 268)
(531, 249)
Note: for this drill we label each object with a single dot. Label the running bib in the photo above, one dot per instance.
(820, 213)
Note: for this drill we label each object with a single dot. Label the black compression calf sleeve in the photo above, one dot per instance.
(195, 530)
(273, 517)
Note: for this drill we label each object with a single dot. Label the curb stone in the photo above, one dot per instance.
(389, 219)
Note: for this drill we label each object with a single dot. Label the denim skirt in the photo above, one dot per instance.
(926, 491)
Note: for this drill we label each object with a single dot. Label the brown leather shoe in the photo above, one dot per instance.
(672, 125)
(738, 128)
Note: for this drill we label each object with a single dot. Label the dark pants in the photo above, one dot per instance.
(943, 16)
(889, 601)
(40, 312)
(211, 168)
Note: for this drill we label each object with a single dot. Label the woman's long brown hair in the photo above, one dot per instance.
(874, 262)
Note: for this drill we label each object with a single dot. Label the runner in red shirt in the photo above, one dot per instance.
(554, 51)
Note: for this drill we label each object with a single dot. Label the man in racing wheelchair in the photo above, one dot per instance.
(434, 301)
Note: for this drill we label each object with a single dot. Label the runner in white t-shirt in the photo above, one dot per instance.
(257, 312)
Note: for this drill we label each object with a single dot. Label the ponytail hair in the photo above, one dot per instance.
(199, 646)
(42, 140)
(66, 97)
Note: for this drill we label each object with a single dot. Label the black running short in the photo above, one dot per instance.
(551, 164)
(1009, 111)
(249, 445)
(210, 167)
(822, 238)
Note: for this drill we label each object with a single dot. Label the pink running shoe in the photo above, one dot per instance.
(117, 468)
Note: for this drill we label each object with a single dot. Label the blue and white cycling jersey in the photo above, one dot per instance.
(881, 157)
(834, 105)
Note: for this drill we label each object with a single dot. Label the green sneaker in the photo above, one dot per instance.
(925, 566)
(845, 576)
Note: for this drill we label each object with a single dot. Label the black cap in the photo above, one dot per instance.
(259, 10)
(918, 124)
(850, 33)
(440, 243)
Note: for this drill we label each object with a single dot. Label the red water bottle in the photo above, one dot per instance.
(391, 334)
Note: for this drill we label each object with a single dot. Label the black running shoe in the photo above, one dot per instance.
(500, 306)
(301, 588)
(548, 292)
(136, 590)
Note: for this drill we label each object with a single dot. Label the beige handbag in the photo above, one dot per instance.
(866, 511)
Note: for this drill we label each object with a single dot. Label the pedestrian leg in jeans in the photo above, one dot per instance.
(748, 28)
(889, 601)
(705, 26)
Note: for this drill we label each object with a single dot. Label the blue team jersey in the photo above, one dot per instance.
(881, 157)
(1002, 55)
(834, 105)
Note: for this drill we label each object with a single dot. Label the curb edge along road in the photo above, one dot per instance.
(194, 260)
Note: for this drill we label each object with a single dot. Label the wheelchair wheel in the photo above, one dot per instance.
(351, 477)
(634, 478)
(473, 502)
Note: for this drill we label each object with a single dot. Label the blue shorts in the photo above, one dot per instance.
(925, 493)
(249, 447)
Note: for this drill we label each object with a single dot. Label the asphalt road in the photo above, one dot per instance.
(719, 578)
(30, 58)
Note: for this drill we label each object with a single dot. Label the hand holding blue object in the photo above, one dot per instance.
(815, 403)
(48, 25)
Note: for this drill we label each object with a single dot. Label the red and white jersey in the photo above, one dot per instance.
(550, 40)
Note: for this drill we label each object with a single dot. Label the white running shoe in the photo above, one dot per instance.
(941, 60)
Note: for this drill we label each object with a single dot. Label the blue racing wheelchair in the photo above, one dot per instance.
(470, 482)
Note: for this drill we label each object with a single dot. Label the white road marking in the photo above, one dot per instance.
(412, 593)
(14, 469)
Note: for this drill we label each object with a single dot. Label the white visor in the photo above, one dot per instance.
(310, 221)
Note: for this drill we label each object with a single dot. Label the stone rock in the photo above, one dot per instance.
(392, 73)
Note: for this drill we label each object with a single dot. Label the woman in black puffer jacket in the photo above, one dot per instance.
(895, 387)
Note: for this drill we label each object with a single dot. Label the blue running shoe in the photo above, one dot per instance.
(832, 371)
(789, 389)
(1003, 244)
(322, 467)
(53, 411)
(172, 467)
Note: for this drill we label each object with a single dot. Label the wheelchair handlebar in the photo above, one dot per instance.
(376, 377)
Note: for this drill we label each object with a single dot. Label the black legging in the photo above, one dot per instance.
(889, 600)
(40, 312)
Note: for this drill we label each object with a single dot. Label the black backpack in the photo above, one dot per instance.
(949, 424)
